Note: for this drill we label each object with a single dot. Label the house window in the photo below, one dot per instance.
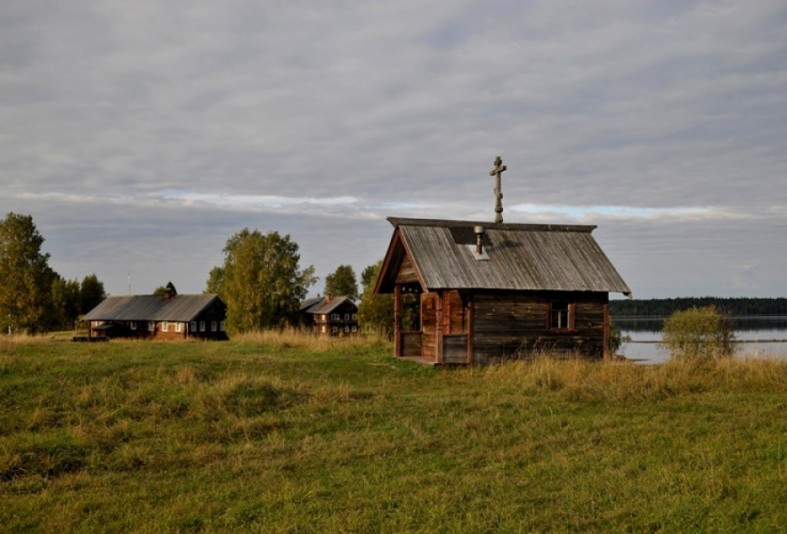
(222, 326)
(355, 328)
(355, 317)
(193, 326)
(202, 326)
(335, 317)
(324, 329)
(346, 316)
(151, 326)
(132, 325)
(165, 326)
(178, 327)
(335, 329)
(346, 329)
(214, 326)
(561, 316)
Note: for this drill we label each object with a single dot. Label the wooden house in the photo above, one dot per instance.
(159, 317)
(330, 316)
(494, 291)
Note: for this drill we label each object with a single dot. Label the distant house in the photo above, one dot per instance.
(494, 291)
(159, 317)
(330, 316)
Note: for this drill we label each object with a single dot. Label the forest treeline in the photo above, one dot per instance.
(736, 306)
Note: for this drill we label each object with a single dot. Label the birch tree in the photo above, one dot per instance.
(26, 279)
(261, 281)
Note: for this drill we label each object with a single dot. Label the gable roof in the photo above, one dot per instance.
(525, 257)
(321, 305)
(308, 303)
(181, 308)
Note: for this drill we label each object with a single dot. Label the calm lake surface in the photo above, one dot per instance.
(760, 337)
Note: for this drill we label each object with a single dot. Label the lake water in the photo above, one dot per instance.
(760, 337)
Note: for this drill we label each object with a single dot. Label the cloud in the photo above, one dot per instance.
(311, 115)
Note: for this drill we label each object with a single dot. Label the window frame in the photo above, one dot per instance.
(555, 323)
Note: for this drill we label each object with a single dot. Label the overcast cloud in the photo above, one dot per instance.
(141, 135)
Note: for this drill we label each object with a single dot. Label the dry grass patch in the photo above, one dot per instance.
(579, 379)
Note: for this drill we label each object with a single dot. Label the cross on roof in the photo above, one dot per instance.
(496, 172)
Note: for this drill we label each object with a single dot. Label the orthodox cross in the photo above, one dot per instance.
(496, 172)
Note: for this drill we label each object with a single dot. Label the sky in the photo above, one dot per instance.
(142, 135)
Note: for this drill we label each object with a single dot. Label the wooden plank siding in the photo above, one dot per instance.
(454, 348)
(429, 327)
(406, 272)
(410, 344)
(514, 325)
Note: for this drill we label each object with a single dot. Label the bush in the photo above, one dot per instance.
(699, 333)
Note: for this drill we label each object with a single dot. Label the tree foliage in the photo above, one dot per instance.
(375, 312)
(260, 281)
(342, 282)
(26, 280)
(91, 293)
(698, 333)
(65, 299)
(170, 287)
(33, 297)
(737, 306)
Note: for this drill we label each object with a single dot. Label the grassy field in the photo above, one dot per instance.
(283, 434)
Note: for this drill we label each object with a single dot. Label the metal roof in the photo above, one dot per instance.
(516, 257)
(180, 308)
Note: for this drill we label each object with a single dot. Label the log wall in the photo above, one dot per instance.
(429, 305)
(515, 325)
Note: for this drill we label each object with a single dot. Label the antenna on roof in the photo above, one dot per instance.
(496, 172)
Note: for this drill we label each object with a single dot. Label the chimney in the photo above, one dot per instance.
(328, 297)
(479, 240)
(167, 294)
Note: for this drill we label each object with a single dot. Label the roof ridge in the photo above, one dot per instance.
(403, 221)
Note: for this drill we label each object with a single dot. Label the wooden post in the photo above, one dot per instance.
(397, 320)
(606, 331)
(470, 318)
(439, 326)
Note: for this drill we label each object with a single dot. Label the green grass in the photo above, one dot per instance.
(286, 434)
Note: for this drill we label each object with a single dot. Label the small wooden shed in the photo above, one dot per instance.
(494, 291)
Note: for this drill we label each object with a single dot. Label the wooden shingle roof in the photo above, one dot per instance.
(322, 305)
(179, 308)
(526, 257)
